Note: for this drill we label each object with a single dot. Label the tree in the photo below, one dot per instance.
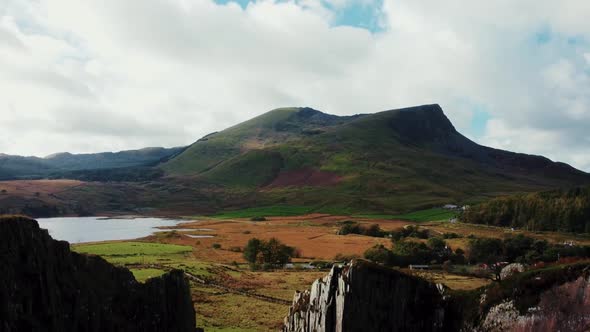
(252, 250)
(436, 243)
(411, 252)
(517, 246)
(380, 254)
(349, 227)
(485, 250)
(271, 253)
(374, 231)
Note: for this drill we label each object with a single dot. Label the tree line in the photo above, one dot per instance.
(558, 210)
(480, 250)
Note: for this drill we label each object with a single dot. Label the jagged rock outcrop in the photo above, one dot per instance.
(511, 269)
(557, 300)
(366, 297)
(46, 287)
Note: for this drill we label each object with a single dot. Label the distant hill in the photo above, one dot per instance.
(15, 167)
(378, 161)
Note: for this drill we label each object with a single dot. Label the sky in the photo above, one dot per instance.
(109, 75)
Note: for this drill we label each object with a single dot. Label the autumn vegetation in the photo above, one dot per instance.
(558, 210)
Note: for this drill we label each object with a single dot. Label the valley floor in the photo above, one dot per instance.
(259, 301)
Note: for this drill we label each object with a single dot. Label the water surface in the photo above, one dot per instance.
(90, 229)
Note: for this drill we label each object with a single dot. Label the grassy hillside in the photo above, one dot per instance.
(393, 161)
(268, 130)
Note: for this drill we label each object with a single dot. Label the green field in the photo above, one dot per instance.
(211, 302)
(144, 274)
(435, 214)
(126, 253)
(265, 211)
(131, 249)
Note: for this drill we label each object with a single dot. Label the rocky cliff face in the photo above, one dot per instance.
(46, 287)
(367, 297)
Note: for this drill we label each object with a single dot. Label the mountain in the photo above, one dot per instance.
(378, 161)
(387, 163)
(12, 167)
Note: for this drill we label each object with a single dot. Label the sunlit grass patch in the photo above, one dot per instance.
(435, 214)
(265, 211)
(135, 252)
(145, 274)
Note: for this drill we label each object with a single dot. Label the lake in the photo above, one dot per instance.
(91, 229)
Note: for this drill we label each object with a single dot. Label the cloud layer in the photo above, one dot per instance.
(96, 75)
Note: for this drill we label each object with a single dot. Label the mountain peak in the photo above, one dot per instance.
(421, 124)
(422, 108)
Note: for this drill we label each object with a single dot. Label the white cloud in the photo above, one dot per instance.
(105, 75)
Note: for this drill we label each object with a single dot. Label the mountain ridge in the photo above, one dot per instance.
(423, 127)
(393, 162)
(14, 167)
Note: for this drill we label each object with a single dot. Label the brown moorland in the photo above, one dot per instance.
(313, 235)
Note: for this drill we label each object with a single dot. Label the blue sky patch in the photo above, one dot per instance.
(544, 35)
(242, 3)
(479, 121)
(357, 13)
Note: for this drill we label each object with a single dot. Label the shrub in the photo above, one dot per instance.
(350, 227)
(451, 236)
(216, 246)
(409, 231)
(345, 258)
